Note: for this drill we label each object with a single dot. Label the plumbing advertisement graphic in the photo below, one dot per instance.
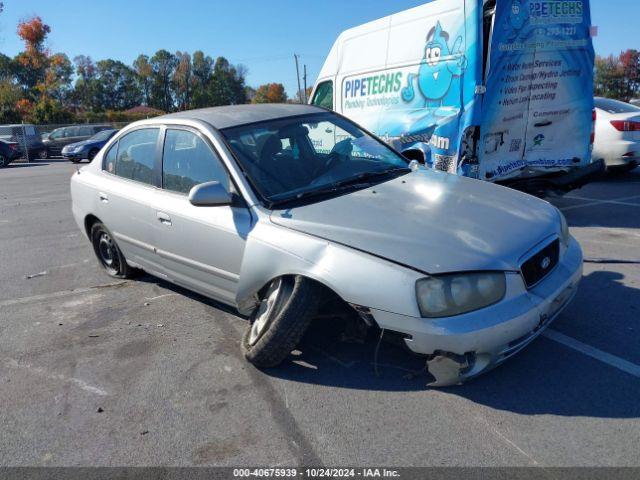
(538, 91)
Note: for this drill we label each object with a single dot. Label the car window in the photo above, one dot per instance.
(188, 161)
(136, 155)
(284, 158)
(70, 132)
(324, 95)
(58, 133)
(615, 106)
(85, 131)
(110, 159)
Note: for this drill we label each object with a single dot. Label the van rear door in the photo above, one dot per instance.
(537, 111)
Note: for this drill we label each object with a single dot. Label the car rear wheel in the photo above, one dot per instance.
(287, 306)
(92, 153)
(109, 254)
(43, 154)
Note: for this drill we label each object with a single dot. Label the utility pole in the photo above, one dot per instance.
(295, 56)
(305, 83)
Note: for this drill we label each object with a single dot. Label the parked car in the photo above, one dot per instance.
(60, 137)
(9, 151)
(617, 134)
(88, 148)
(240, 204)
(25, 135)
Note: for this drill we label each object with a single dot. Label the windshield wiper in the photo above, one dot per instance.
(363, 179)
(364, 176)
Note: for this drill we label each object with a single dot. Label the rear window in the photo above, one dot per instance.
(615, 106)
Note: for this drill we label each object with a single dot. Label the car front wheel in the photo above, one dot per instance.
(287, 306)
(92, 153)
(108, 252)
(4, 161)
(43, 154)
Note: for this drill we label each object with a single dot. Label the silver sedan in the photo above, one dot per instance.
(284, 210)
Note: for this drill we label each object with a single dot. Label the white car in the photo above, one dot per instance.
(617, 134)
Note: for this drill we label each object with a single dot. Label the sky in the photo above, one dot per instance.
(263, 35)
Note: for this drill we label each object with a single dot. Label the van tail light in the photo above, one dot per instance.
(594, 117)
(626, 126)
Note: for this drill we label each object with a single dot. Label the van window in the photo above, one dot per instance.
(188, 161)
(324, 95)
(136, 155)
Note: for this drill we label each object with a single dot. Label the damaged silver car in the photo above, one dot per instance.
(278, 209)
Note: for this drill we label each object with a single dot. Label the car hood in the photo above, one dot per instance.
(432, 222)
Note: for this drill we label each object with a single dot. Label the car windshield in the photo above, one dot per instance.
(615, 106)
(103, 135)
(291, 158)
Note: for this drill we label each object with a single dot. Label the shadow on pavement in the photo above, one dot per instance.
(546, 378)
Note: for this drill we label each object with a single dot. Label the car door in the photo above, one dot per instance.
(56, 140)
(199, 247)
(130, 178)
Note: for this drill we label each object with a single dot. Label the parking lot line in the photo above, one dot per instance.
(595, 201)
(612, 360)
(63, 293)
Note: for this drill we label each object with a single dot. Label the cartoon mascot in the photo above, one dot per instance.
(437, 70)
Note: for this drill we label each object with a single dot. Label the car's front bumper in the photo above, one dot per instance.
(74, 155)
(461, 347)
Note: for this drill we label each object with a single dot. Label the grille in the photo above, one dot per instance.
(541, 264)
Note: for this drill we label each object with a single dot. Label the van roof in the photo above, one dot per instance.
(234, 115)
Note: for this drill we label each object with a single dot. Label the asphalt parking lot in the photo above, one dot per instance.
(99, 372)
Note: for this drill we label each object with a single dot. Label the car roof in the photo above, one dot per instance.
(235, 115)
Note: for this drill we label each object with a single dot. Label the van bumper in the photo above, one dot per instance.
(561, 182)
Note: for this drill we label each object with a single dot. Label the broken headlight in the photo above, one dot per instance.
(454, 294)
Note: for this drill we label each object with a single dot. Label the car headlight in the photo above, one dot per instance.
(564, 229)
(454, 294)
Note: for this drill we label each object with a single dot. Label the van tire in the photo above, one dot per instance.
(109, 254)
(290, 314)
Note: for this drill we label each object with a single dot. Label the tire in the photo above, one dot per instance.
(43, 154)
(109, 254)
(283, 320)
(619, 169)
(92, 153)
(75, 160)
(4, 161)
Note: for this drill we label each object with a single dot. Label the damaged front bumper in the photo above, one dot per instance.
(462, 347)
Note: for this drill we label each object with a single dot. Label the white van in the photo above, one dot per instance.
(496, 90)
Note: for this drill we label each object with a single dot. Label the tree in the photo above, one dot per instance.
(144, 72)
(270, 93)
(10, 95)
(57, 78)
(227, 83)
(32, 63)
(163, 64)
(183, 80)
(85, 88)
(117, 86)
(202, 66)
(618, 76)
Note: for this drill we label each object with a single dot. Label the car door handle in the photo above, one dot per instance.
(163, 218)
(103, 197)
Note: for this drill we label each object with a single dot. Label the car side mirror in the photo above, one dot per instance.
(209, 194)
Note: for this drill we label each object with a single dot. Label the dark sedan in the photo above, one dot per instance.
(88, 148)
(9, 151)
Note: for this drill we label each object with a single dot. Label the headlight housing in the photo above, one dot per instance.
(564, 229)
(454, 294)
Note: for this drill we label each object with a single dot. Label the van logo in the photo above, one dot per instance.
(544, 264)
(435, 76)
